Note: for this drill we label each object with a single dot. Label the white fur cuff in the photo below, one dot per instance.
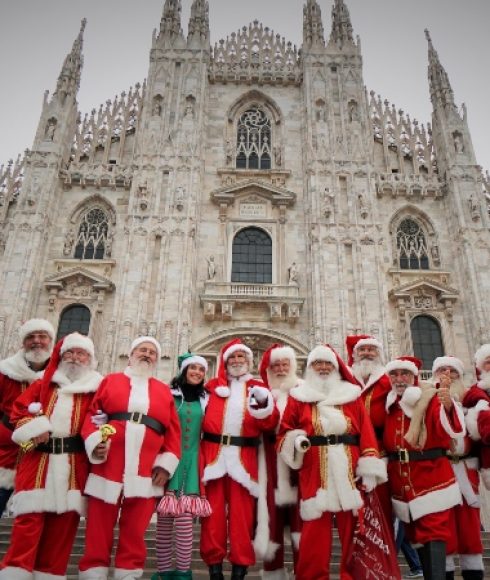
(167, 461)
(35, 427)
(223, 391)
(485, 477)
(288, 450)
(445, 422)
(263, 412)
(472, 419)
(90, 444)
(372, 466)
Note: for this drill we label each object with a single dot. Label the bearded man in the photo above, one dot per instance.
(16, 374)
(278, 371)
(51, 475)
(420, 425)
(239, 410)
(129, 470)
(326, 433)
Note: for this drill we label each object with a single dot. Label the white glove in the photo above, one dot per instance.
(260, 394)
(100, 418)
(301, 444)
(369, 483)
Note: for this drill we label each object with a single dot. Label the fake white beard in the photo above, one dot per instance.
(282, 383)
(237, 371)
(73, 370)
(365, 368)
(484, 382)
(141, 368)
(322, 384)
(400, 388)
(37, 356)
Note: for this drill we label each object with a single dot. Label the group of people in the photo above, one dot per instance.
(251, 458)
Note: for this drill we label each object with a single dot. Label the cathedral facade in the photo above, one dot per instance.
(248, 189)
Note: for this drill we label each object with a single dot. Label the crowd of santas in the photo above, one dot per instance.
(354, 446)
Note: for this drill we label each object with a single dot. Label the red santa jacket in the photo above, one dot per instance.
(477, 403)
(328, 472)
(135, 448)
(48, 482)
(229, 413)
(15, 377)
(429, 486)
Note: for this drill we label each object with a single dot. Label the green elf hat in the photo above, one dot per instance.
(188, 358)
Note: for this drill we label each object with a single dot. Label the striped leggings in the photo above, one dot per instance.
(183, 542)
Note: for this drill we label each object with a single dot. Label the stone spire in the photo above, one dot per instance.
(312, 25)
(441, 92)
(198, 35)
(341, 34)
(69, 79)
(170, 24)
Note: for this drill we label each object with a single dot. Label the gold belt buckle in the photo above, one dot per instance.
(136, 417)
(226, 439)
(403, 454)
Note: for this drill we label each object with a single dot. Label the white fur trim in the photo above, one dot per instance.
(485, 477)
(372, 466)
(17, 369)
(36, 324)
(344, 393)
(432, 502)
(448, 361)
(103, 488)
(34, 408)
(447, 425)
(123, 574)
(283, 352)
(461, 474)
(406, 365)
(285, 493)
(471, 562)
(33, 428)
(77, 340)
(167, 461)
(222, 391)
(471, 419)
(288, 450)
(45, 576)
(263, 412)
(89, 383)
(7, 478)
(235, 348)
(325, 501)
(371, 341)
(262, 541)
(281, 574)
(46, 500)
(98, 573)
(481, 354)
(323, 353)
(194, 360)
(15, 573)
(141, 339)
(91, 443)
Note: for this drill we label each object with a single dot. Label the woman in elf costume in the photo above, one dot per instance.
(183, 500)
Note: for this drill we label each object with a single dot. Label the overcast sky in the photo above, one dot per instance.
(35, 36)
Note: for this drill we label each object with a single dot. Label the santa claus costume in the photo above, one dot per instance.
(374, 391)
(326, 434)
(417, 439)
(282, 508)
(239, 410)
(142, 411)
(50, 478)
(15, 376)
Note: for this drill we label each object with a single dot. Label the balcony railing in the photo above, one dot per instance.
(239, 289)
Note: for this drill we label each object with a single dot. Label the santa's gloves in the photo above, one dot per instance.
(369, 482)
(302, 443)
(260, 394)
(99, 419)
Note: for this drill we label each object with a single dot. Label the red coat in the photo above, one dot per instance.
(229, 412)
(15, 377)
(419, 488)
(47, 482)
(134, 449)
(328, 472)
(477, 401)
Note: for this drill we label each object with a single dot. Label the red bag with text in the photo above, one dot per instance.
(372, 555)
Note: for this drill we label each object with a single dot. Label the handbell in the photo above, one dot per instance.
(305, 444)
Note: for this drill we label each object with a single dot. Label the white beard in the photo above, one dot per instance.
(322, 384)
(484, 382)
(282, 383)
(237, 371)
(363, 369)
(141, 368)
(73, 371)
(37, 356)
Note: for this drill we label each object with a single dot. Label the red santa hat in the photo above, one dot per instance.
(326, 353)
(448, 361)
(354, 341)
(36, 324)
(408, 363)
(274, 353)
(227, 350)
(481, 354)
(141, 339)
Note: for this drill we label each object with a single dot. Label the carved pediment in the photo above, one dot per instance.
(278, 196)
(78, 281)
(424, 287)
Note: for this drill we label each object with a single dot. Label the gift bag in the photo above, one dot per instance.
(372, 555)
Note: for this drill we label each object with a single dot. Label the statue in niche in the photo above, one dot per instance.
(108, 244)
(293, 275)
(363, 210)
(69, 241)
(353, 112)
(50, 130)
(211, 268)
(229, 150)
(277, 155)
(474, 207)
(328, 202)
(157, 108)
(458, 143)
(179, 197)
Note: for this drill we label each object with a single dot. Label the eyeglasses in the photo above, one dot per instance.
(76, 353)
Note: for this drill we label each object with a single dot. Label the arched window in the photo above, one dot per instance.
(411, 245)
(74, 318)
(253, 140)
(252, 257)
(426, 340)
(92, 235)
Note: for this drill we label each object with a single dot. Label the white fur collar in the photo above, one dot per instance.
(87, 384)
(373, 378)
(408, 400)
(16, 368)
(345, 392)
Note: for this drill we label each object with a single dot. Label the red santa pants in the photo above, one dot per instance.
(465, 535)
(42, 542)
(134, 519)
(233, 515)
(280, 519)
(429, 528)
(315, 546)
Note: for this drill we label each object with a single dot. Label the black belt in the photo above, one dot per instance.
(5, 419)
(458, 458)
(58, 445)
(231, 440)
(139, 418)
(404, 455)
(333, 439)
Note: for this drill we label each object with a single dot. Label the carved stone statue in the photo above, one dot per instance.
(157, 108)
(353, 112)
(229, 150)
(69, 241)
(458, 143)
(293, 274)
(211, 268)
(277, 156)
(50, 130)
(363, 209)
